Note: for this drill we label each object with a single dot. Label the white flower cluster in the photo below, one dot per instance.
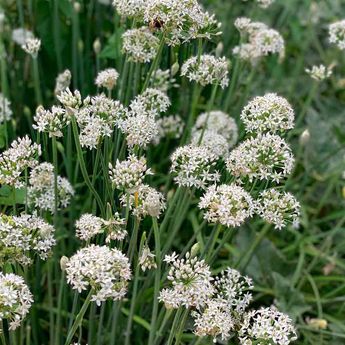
(266, 326)
(15, 299)
(130, 8)
(278, 208)
(193, 166)
(207, 69)
(264, 157)
(63, 81)
(22, 236)
(337, 34)
(70, 100)
(51, 121)
(163, 80)
(169, 126)
(147, 259)
(320, 72)
(140, 45)
(106, 271)
(265, 3)
(107, 78)
(129, 174)
(191, 282)
(268, 113)
(261, 40)
(229, 205)
(32, 46)
(14, 161)
(218, 122)
(41, 190)
(97, 119)
(115, 228)
(5, 109)
(145, 201)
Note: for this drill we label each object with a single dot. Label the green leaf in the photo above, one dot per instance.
(9, 195)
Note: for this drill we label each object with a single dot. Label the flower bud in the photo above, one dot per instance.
(63, 262)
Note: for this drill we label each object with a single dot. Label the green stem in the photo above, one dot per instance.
(59, 310)
(174, 326)
(38, 93)
(180, 330)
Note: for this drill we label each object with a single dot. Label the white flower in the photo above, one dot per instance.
(163, 80)
(190, 283)
(32, 46)
(267, 325)
(22, 237)
(69, 99)
(264, 157)
(268, 113)
(154, 101)
(51, 121)
(63, 81)
(140, 44)
(207, 69)
(219, 122)
(193, 166)
(115, 228)
(5, 109)
(41, 189)
(278, 208)
(337, 34)
(128, 175)
(147, 259)
(229, 205)
(15, 299)
(320, 72)
(88, 226)
(106, 271)
(169, 126)
(265, 3)
(130, 8)
(107, 78)
(14, 161)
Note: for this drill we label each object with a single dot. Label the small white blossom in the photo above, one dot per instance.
(5, 109)
(69, 99)
(115, 228)
(15, 299)
(106, 271)
(320, 72)
(169, 127)
(130, 8)
(207, 69)
(88, 226)
(278, 208)
(337, 34)
(163, 80)
(147, 259)
(32, 46)
(107, 78)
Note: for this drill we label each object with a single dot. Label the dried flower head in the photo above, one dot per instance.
(264, 157)
(219, 122)
(267, 326)
(106, 271)
(129, 174)
(23, 237)
(107, 78)
(5, 109)
(229, 205)
(19, 157)
(207, 69)
(320, 72)
(32, 46)
(140, 45)
(51, 121)
(190, 283)
(63, 81)
(337, 34)
(147, 259)
(268, 113)
(193, 166)
(41, 189)
(278, 208)
(15, 299)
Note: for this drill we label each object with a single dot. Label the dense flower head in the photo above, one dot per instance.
(70, 100)
(229, 205)
(41, 189)
(193, 166)
(267, 326)
(51, 121)
(153, 100)
(219, 122)
(169, 127)
(337, 34)
(106, 271)
(88, 226)
(215, 143)
(129, 174)
(268, 113)
(261, 40)
(147, 259)
(115, 228)
(14, 161)
(24, 236)
(140, 45)
(63, 81)
(130, 8)
(21, 35)
(265, 157)
(145, 201)
(190, 282)
(320, 72)
(15, 299)
(97, 119)
(31, 46)
(5, 109)
(163, 80)
(107, 78)
(278, 208)
(207, 69)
